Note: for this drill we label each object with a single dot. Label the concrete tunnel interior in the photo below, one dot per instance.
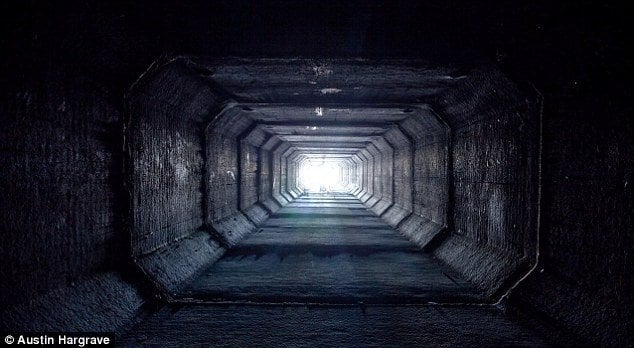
(291, 173)
(400, 157)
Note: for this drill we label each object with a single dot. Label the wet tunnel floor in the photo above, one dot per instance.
(328, 249)
(325, 271)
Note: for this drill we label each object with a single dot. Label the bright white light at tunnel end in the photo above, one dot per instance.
(321, 176)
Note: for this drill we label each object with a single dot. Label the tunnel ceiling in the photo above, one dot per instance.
(329, 80)
(328, 106)
(286, 113)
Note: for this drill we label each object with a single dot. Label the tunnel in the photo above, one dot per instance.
(296, 130)
(291, 174)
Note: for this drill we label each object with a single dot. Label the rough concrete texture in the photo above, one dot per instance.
(223, 161)
(232, 228)
(420, 230)
(369, 184)
(271, 205)
(285, 171)
(278, 175)
(494, 137)
(167, 112)
(265, 187)
(363, 180)
(267, 80)
(429, 164)
(387, 170)
(59, 187)
(381, 206)
(170, 267)
(421, 150)
(367, 326)
(256, 213)
(487, 267)
(294, 175)
(231, 181)
(583, 280)
(384, 175)
(394, 215)
(104, 302)
(359, 181)
(248, 175)
(402, 177)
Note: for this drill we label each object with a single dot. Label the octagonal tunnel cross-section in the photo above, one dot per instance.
(334, 181)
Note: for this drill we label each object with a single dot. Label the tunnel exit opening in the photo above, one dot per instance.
(321, 176)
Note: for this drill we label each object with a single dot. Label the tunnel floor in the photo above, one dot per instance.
(325, 271)
(346, 326)
(328, 249)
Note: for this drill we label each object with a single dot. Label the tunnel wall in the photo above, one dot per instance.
(374, 187)
(250, 170)
(368, 172)
(167, 113)
(351, 175)
(359, 168)
(60, 209)
(285, 172)
(428, 139)
(369, 175)
(223, 176)
(267, 175)
(194, 174)
(583, 280)
(494, 180)
(289, 186)
(168, 110)
(378, 175)
(359, 177)
(384, 176)
(402, 177)
(248, 175)
(222, 167)
(293, 176)
(279, 174)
